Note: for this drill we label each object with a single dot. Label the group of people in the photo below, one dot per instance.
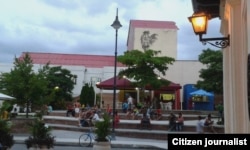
(207, 122)
(176, 123)
(73, 109)
(89, 116)
(134, 109)
(134, 113)
(116, 115)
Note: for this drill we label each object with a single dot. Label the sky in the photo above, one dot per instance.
(83, 26)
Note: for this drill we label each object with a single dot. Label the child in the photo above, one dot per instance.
(125, 107)
(117, 119)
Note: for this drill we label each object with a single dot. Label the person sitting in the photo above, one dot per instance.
(145, 122)
(70, 110)
(159, 113)
(200, 125)
(135, 113)
(98, 110)
(129, 114)
(95, 117)
(179, 122)
(82, 118)
(150, 112)
(172, 122)
(209, 123)
(50, 109)
(77, 106)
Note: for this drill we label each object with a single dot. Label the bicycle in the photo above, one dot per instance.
(86, 139)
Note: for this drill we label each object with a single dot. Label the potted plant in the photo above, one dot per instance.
(40, 136)
(6, 139)
(102, 131)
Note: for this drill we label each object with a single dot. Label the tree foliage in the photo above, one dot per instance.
(26, 85)
(60, 85)
(87, 95)
(212, 76)
(22, 82)
(145, 67)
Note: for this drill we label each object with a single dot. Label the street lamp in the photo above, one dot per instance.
(116, 25)
(199, 22)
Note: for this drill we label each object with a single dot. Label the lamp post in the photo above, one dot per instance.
(116, 25)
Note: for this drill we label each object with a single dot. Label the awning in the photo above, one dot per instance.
(125, 84)
(121, 83)
(201, 93)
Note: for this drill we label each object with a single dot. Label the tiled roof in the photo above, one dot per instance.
(93, 61)
(153, 24)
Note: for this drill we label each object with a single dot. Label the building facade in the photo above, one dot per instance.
(155, 35)
(143, 35)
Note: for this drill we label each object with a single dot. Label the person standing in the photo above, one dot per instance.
(117, 119)
(108, 110)
(130, 102)
(172, 122)
(158, 112)
(179, 122)
(220, 109)
(124, 107)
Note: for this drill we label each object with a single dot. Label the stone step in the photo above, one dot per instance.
(131, 133)
(167, 112)
(126, 128)
(164, 116)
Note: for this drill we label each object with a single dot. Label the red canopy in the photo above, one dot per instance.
(125, 84)
(121, 83)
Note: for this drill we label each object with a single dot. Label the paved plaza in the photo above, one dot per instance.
(70, 138)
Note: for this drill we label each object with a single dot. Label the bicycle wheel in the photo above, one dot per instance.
(85, 140)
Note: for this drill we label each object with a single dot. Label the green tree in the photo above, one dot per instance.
(145, 67)
(22, 82)
(212, 75)
(26, 85)
(87, 95)
(60, 86)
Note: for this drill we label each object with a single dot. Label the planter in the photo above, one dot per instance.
(41, 138)
(102, 145)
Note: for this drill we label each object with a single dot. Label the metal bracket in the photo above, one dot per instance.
(220, 42)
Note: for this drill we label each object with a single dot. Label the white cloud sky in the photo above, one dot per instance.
(83, 26)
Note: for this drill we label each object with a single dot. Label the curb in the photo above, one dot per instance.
(114, 144)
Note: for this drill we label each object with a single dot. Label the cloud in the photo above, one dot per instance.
(83, 27)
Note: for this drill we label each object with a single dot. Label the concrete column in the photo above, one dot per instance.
(235, 72)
